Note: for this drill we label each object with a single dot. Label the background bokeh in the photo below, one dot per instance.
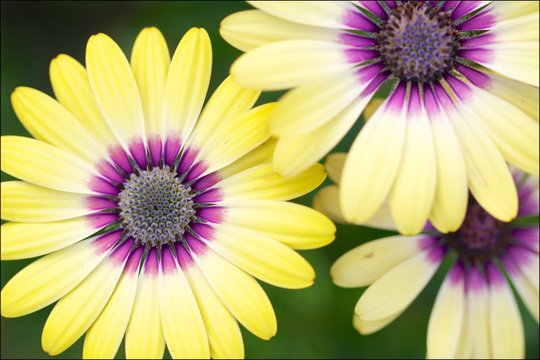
(312, 323)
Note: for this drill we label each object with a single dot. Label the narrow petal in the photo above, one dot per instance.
(372, 165)
(310, 147)
(327, 14)
(115, 89)
(105, 335)
(290, 63)
(252, 309)
(50, 122)
(366, 263)
(390, 294)
(144, 335)
(446, 320)
(262, 257)
(334, 166)
(262, 182)
(246, 30)
(528, 292)
(365, 327)
(42, 164)
(326, 201)
(75, 312)
(187, 82)
(25, 202)
(71, 86)
(51, 277)
(26, 240)
(223, 331)
(150, 63)
(181, 320)
(296, 226)
(258, 156)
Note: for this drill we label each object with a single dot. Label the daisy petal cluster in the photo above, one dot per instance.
(154, 215)
(463, 79)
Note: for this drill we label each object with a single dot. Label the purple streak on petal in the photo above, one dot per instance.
(463, 8)
(120, 254)
(447, 4)
(456, 274)
(106, 241)
(195, 245)
(138, 152)
(462, 90)
(356, 40)
(415, 101)
(375, 8)
(435, 254)
(358, 55)
(495, 277)
(397, 98)
(196, 171)
(356, 20)
(478, 78)
(213, 214)
(207, 181)
(100, 220)
(108, 171)
(210, 196)
(442, 97)
(526, 238)
(151, 264)
(120, 158)
(134, 260)
(99, 203)
(520, 256)
(478, 41)
(172, 148)
(476, 281)
(184, 257)
(430, 101)
(509, 265)
(366, 73)
(481, 21)
(204, 231)
(155, 146)
(188, 158)
(168, 263)
(391, 4)
(427, 242)
(374, 84)
(528, 206)
(102, 186)
(483, 56)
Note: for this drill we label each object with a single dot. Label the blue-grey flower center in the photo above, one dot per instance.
(156, 207)
(418, 42)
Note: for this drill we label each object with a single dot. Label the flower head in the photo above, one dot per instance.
(154, 214)
(464, 99)
(475, 314)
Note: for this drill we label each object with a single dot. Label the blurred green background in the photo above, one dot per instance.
(312, 323)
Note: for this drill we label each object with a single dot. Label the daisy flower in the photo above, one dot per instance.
(463, 79)
(154, 215)
(475, 314)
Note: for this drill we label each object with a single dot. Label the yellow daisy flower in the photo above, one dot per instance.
(475, 314)
(448, 126)
(154, 214)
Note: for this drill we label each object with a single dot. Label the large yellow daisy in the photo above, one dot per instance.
(154, 214)
(464, 98)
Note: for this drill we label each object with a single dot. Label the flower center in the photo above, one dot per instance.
(418, 42)
(481, 236)
(156, 207)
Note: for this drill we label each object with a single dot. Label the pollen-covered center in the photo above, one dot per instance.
(418, 42)
(156, 207)
(481, 236)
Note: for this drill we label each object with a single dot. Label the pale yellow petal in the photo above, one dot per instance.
(524, 96)
(260, 155)
(334, 166)
(507, 10)
(326, 201)
(365, 327)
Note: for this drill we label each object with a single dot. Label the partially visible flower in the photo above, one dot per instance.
(448, 125)
(153, 214)
(475, 314)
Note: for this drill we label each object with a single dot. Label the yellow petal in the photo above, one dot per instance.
(187, 82)
(260, 155)
(334, 166)
(366, 263)
(524, 96)
(71, 87)
(50, 122)
(223, 331)
(294, 225)
(252, 309)
(42, 164)
(30, 203)
(150, 63)
(115, 89)
(246, 30)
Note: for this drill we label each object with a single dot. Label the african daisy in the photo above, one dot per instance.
(154, 215)
(475, 314)
(464, 98)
